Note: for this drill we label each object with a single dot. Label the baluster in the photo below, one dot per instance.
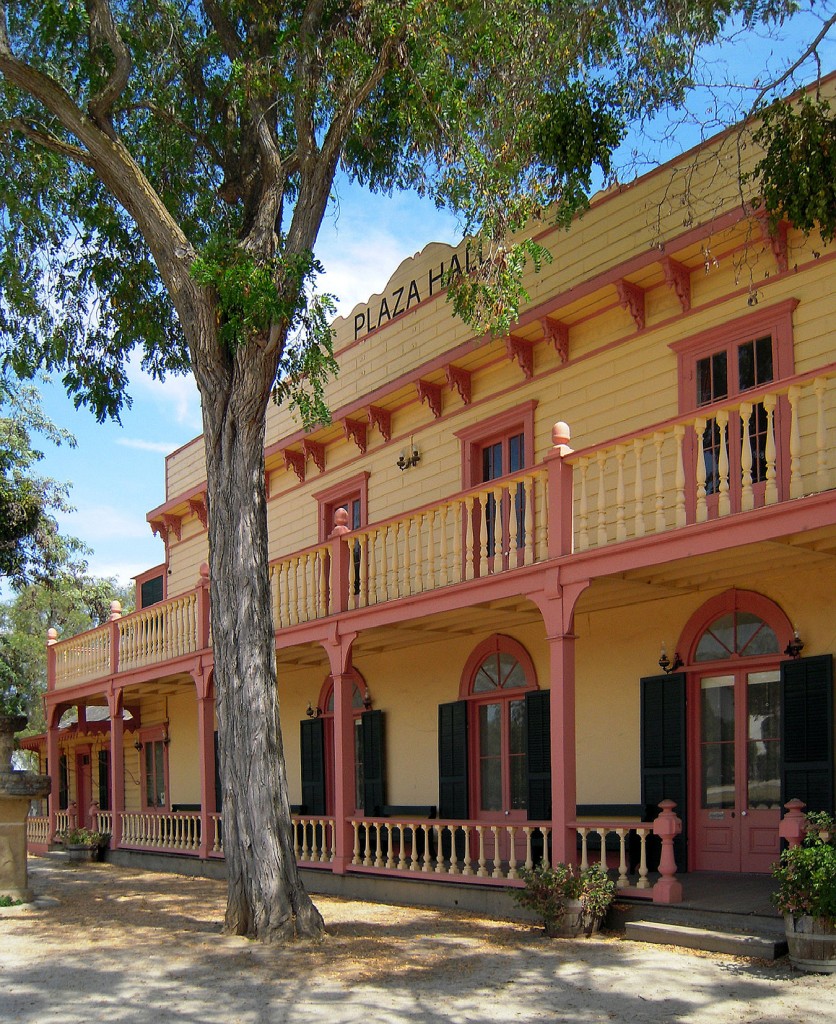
(389, 831)
(468, 866)
(323, 583)
(306, 853)
(543, 520)
(702, 504)
(603, 832)
(483, 533)
(822, 474)
(620, 501)
(582, 832)
(402, 826)
(396, 568)
(430, 560)
(469, 541)
(367, 857)
(439, 860)
(545, 832)
(724, 500)
(747, 494)
(643, 882)
(454, 861)
(623, 880)
(679, 475)
(638, 489)
(497, 863)
(413, 861)
(371, 568)
(407, 556)
(383, 585)
(482, 872)
(529, 863)
(281, 591)
(583, 507)
(292, 592)
(459, 522)
(770, 494)
(515, 491)
(444, 569)
(418, 585)
(796, 483)
(601, 458)
(500, 547)
(529, 520)
(356, 859)
(425, 857)
(659, 485)
(512, 856)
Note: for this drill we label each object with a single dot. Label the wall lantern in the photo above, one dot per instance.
(665, 663)
(406, 461)
(795, 646)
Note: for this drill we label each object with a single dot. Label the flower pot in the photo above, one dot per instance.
(812, 943)
(572, 923)
(82, 853)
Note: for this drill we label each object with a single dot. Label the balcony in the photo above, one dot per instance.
(576, 504)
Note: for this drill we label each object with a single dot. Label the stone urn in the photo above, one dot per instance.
(17, 790)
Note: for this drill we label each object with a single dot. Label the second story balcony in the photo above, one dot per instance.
(748, 460)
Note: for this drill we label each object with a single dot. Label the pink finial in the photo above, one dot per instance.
(340, 522)
(561, 434)
(204, 572)
(51, 637)
(115, 611)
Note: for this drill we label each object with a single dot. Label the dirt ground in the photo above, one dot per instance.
(103, 943)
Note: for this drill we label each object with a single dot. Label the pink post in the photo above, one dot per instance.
(206, 745)
(667, 826)
(53, 758)
(203, 606)
(344, 797)
(93, 816)
(560, 492)
(51, 641)
(72, 814)
(115, 616)
(793, 825)
(340, 562)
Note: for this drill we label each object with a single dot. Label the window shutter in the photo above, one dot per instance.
(807, 732)
(663, 752)
(313, 765)
(452, 760)
(538, 736)
(374, 762)
(104, 780)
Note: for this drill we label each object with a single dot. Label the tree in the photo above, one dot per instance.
(166, 168)
(28, 533)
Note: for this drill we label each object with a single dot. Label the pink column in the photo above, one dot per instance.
(203, 616)
(53, 755)
(560, 492)
(339, 656)
(206, 748)
(667, 826)
(117, 765)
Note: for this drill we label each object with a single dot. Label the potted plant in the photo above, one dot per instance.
(84, 844)
(569, 901)
(806, 876)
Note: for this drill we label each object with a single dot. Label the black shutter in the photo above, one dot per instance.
(452, 760)
(104, 780)
(807, 732)
(539, 750)
(313, 765)
(663, 753)
(374, 762)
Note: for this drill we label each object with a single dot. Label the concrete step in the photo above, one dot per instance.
(764, 946)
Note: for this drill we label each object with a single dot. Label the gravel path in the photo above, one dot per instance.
(107, 944)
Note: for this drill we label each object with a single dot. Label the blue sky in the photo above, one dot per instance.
(117, 471)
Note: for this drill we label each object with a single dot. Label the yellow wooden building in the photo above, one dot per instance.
(490, 552)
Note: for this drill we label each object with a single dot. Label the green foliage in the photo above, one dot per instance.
(548, 890)
(797, 173)
(806, 874)
(85, 837)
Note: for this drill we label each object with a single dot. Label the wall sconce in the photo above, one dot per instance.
(166, 737)
(137, 744)
(665, 663)
(367, 699)
(795, 646)
(313, 712)
(406, 461)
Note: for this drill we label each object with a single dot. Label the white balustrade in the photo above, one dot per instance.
(299, 586)
(164, 631)
(313, 839)
(83, 657)
(179, 832)
(37, 830)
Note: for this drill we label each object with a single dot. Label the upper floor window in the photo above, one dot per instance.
(150, 587)
(352, 495)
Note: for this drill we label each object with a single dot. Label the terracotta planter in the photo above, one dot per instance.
(573, 923)
(812, 943)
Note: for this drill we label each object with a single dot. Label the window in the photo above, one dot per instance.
(716, 370)
(155, 771)
(150, 587)
(351, 495)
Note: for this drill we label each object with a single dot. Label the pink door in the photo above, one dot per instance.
(501, 782)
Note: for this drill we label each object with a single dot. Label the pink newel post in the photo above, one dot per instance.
(559, 492)
(794, 823)
(667, 826)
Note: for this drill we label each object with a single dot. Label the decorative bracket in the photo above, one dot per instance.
(356, 430)
(556, 332)
(295, 461)
(382, 419)
(678, 277)
(459, 380)
(431, 394)
(523, 352)
(316, 451)
(173, 524)
(776, 238)
(198, 506)
(157, 527)
(631, 298)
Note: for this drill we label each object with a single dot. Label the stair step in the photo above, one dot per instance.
(733, 943)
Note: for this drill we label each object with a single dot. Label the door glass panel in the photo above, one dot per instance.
(717, 741)
(764, 731)
(490, 757)
(517, 755)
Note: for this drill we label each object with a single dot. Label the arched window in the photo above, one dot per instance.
(359, 694)
(738, 632)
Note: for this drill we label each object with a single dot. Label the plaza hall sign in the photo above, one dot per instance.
(402, 295)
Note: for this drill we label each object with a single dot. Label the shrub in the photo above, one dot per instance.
(548, 891)
(806, 874)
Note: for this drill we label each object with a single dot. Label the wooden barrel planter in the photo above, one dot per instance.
(812, 943)
(82, 853)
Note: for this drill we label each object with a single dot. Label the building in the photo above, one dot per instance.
(496, 635)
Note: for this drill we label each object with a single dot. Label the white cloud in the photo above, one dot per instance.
(162, 447)
(95, 523)
(178, 397)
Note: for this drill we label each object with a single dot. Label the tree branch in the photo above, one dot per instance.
(50, 142)
(103, 31)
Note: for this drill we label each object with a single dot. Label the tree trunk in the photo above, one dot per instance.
(266, 898)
